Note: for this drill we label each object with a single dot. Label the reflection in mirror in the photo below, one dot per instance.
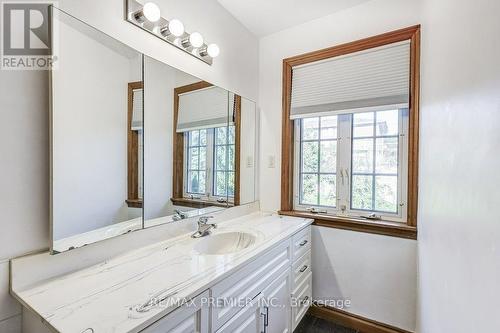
(96, 136)
(193, 143)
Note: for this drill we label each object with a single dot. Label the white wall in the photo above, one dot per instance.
(386, 287)
(24, 105)
(459, 235)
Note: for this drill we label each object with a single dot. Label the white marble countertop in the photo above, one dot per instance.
(104, 297)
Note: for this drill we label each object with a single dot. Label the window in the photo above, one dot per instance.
(224, 171)
(210, 164)
(206, 146)
(196, 162)
(352, 164)
(350, 135)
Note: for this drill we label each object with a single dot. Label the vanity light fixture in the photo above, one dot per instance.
(149, 12)
(211, 50)
(176, 27)
(148, 17)
(194, 40)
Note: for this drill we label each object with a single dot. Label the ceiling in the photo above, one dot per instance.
(264, 17)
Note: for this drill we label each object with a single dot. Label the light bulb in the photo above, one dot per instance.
(151, 12)
(176, 27)
(196, 39)
(213, 50)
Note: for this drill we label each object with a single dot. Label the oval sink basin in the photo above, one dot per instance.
(224, 243)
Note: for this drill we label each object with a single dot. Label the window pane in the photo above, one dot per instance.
(310, 128)
(194, 138)
(220, 135)
(221, 158)
(231, 158)
(387, 155)
(328, 162)
(329, 127)
(362, 155)
(203, 137)
(309, 187)
(362, 124)
(193, 159)
(310, 157)
(386, 193)
(203, 158)
(230, 184)
(387, 122)
(327, 190)
(193, 185)
(232, 134)
(362, 192)
(220, 183)
(202, 182)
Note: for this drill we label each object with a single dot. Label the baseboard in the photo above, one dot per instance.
(344, 318)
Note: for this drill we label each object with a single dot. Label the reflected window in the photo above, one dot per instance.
(210, 163)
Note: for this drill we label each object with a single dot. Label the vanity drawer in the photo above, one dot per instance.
(301, 299)
(301, 242)
(191, 317)
(301, 269)
(248, 282)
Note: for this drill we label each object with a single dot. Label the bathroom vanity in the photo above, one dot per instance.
(252, 273)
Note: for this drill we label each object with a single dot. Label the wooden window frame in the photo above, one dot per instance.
(133, 199)
(178, 153)
(404, 230)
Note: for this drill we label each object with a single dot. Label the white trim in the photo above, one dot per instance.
(349, 111)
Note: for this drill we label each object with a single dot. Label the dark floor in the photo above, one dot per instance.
(310, 324)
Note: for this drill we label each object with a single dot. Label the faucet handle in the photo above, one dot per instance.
(204, 219)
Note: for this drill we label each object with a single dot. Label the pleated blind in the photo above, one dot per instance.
(137, 110)
(204, 108)
(370, 79)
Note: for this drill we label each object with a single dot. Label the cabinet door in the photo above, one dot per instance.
(277, 305)
(250, 319)
(186, 319)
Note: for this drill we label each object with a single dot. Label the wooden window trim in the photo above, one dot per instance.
(178, 153)
(406, 230)
(133, 199)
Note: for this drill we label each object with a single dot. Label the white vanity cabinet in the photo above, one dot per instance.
(271, 294)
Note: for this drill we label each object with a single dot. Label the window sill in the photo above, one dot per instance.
(134, 203)
(198, 203)
(386, 228)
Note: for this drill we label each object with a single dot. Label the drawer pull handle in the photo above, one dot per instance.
(303, 269)
(304, 242)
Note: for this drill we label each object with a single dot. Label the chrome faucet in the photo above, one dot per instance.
(204, 228)
(179, 215)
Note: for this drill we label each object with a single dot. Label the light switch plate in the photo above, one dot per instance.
(271, 162)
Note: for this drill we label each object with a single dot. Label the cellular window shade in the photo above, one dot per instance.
(204, 108)
(137, 110)
(369, 79)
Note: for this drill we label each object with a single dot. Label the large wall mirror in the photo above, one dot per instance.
(136, 143)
